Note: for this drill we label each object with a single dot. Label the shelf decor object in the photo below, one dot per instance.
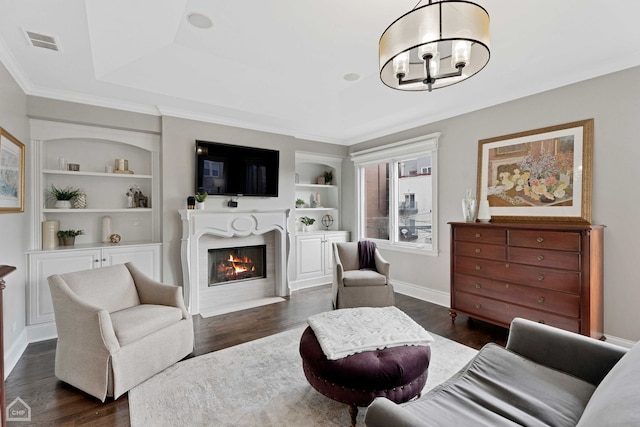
(11, 173)
(435, 45)
(538, 175)
(327, 221)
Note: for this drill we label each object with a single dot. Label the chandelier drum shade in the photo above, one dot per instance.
(435, 45)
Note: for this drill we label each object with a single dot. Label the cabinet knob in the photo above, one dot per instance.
(477, 234)
(104, 259)
(478, 305)
(540, 239)
(541, 300)
(540, 277)
(478, 285)
(540, 257)
(478, 267)
(96, 260)
(477, 250)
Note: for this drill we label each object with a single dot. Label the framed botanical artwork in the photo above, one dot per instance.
(11, 173)
(538, 175)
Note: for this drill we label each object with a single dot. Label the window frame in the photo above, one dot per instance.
(393, 153)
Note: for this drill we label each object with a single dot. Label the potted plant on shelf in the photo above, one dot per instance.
(64, 196)
(299, 203)
(200, 198)
(68, 237)
(308, 222)
(328, 177)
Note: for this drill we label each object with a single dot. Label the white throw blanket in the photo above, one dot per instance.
(354, 330)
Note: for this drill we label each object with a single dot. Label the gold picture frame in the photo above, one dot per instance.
(538, 175)
(11, 173)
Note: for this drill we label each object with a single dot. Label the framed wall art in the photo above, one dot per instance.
(538, 175)
(11, 173)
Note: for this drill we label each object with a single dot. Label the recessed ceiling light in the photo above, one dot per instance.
(351, 77)
(199, 20)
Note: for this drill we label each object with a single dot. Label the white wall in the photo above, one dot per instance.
(614, 102)
(13, 226)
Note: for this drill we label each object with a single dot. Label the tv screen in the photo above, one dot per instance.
(233, 170)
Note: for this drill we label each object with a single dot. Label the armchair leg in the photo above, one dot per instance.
(353, 411)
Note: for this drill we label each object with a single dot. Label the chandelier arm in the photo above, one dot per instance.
(430, 80)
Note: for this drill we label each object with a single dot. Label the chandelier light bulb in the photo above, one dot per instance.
(434, 64)
(460, 53)
(401, 64)
(427, 49)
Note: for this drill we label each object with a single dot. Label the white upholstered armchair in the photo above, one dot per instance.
(356, 287)
(116, 328)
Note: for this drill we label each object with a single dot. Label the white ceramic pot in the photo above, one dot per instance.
(63, 204)
(200, 205)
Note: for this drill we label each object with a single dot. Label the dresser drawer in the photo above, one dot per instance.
(481, 250)
(496, 236)
(555, 279)
(566, 241)
(545, 258)
(543, 299)
(504, 312)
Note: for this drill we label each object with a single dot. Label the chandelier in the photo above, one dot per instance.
(435, 45)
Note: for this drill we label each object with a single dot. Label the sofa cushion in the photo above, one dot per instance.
(616, 401)
(363, 278)
(501, 388)
(133, 323)
(110, 288)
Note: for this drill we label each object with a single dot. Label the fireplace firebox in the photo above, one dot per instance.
(228, 265)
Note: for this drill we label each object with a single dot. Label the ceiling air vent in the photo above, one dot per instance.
(43, 41)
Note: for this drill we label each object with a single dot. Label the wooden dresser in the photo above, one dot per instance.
(549, 273)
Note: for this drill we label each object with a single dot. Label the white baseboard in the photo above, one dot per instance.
(619, 341)
(42, 332)
(296, 285)
(422, 293)
(13, 355)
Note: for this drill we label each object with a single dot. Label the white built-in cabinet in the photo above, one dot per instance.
(93, 148)
(43, 264)
(313, 254)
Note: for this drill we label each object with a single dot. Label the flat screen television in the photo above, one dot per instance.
(233, 170)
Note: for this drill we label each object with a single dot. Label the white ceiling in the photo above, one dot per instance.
(278, 65)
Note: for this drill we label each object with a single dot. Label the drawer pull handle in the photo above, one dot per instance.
(540, 257)
(478, 305)
(541, 300)
(540, 277)
(477, 234)
(477, 267)
(540, 239)
(478, 285)
(541, 321)
(477, 250)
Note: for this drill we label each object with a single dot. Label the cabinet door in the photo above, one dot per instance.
(310, 255)
(329, 240)
(145, 258)
(44, 265)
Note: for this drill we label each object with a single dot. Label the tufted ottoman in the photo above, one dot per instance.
(397, 373)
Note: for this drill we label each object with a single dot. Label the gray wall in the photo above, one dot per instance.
(14, 226)
(614, 102)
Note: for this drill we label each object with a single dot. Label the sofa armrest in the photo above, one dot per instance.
(79, 323)
(384, 413)
(578, 355)
(152, 292)
(339, 268)
(382, 266)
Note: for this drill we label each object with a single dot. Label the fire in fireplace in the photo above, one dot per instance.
(239, 263)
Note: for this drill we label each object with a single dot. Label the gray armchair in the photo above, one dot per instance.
(353, 287)
(116, 328)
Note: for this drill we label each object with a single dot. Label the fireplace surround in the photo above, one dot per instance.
(203, 230)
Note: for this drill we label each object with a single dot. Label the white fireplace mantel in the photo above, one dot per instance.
(229, 224)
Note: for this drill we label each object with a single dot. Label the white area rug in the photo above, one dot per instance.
(259, 383)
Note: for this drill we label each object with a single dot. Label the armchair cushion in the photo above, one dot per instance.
(133, 323)
(363, 278)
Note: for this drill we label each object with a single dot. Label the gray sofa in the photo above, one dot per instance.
(545, 377)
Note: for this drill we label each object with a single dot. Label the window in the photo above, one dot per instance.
(397, 194)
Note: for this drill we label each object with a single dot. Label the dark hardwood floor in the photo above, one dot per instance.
(53, 402)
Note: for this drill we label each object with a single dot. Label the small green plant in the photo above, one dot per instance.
(67, 193)
(307, 221)
(201, 197)
(328, 177)
(299, 203)
(65, 234)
